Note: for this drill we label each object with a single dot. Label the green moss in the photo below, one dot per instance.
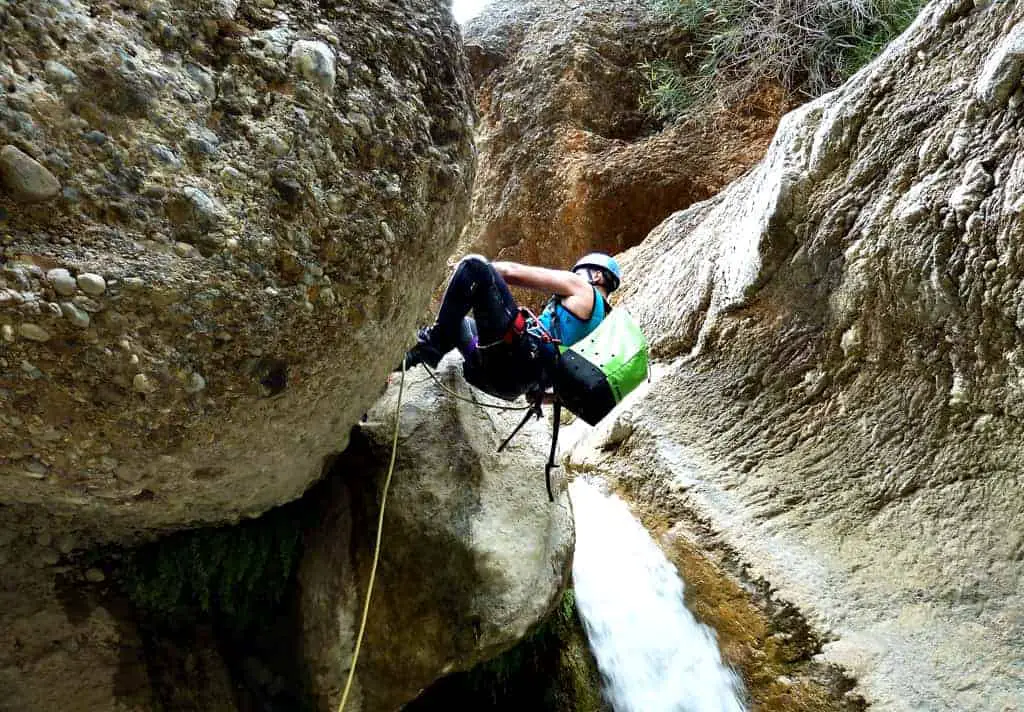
(550, 670)
(233, 576)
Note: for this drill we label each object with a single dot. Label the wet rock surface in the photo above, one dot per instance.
(839, 397)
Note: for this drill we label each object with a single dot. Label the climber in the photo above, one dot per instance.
(503, 353)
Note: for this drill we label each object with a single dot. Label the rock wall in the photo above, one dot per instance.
(473, 554)
(568, 162)
(839, 393)
(219, 220)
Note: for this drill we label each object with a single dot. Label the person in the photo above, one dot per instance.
(504, 354)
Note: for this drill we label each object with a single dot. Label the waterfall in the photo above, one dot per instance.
(652, 652)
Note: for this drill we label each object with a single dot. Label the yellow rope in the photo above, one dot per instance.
(380, 521)
(453, 394)
(376, 548)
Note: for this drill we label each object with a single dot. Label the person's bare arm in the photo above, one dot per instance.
(542, 279)
(577, 293)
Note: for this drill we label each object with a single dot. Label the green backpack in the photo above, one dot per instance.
(597, 372)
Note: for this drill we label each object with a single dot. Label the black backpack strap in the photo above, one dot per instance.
(532, 411)
(554, 446)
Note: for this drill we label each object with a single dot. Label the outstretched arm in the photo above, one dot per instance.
(542, 279)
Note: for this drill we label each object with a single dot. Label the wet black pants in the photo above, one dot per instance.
(478, 288)
(505, 370)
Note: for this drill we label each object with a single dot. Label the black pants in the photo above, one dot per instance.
(478, 288)
(505, 370)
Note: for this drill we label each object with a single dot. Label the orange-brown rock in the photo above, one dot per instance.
(567, 161)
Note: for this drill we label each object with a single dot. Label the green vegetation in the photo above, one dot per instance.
(739, 46)
(234, 576)
(552, 670)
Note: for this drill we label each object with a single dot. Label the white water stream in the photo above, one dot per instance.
(653, 654)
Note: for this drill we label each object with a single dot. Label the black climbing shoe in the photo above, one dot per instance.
(423, 352)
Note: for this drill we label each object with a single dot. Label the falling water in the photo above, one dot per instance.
(652, 652)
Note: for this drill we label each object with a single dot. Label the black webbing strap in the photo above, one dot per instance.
(554, 446)
(535, 411)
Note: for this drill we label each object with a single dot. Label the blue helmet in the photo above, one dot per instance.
(608, 265)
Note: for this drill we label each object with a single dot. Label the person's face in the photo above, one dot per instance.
(594, 276)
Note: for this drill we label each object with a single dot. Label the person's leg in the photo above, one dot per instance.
(475, 286)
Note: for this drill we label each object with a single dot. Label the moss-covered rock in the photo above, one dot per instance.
(552, 669)
(234, 575)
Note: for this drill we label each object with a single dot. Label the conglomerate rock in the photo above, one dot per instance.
(219, 220)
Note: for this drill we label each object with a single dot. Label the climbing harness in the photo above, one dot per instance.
(526, 322)
(376, 548)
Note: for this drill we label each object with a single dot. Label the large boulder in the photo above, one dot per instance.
(842, 356)
(568, 162)
(473, 554)
(219, 221)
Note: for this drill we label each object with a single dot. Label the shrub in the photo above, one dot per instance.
(807, 46)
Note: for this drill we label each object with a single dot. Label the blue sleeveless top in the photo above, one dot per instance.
(566, 326)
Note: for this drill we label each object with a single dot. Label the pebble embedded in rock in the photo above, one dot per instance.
(58, 73)
(205, 210)
(314, 60)
(277, 145)
(83, 302)
(97, 138)
(62, 281)
(92, 284)
(195, 383)
(27, 180)
(33, 332)
(76, 316)
(30, 370)
(203, 79)
(95, 576)
(7, 332)
(65, 543)
(142, 384)
(232, 179)
(361, 122)
(165, 155)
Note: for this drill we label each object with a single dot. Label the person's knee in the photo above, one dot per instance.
(475, 263)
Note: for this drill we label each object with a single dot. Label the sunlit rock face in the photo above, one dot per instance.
(840, 388)
(568, 162)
